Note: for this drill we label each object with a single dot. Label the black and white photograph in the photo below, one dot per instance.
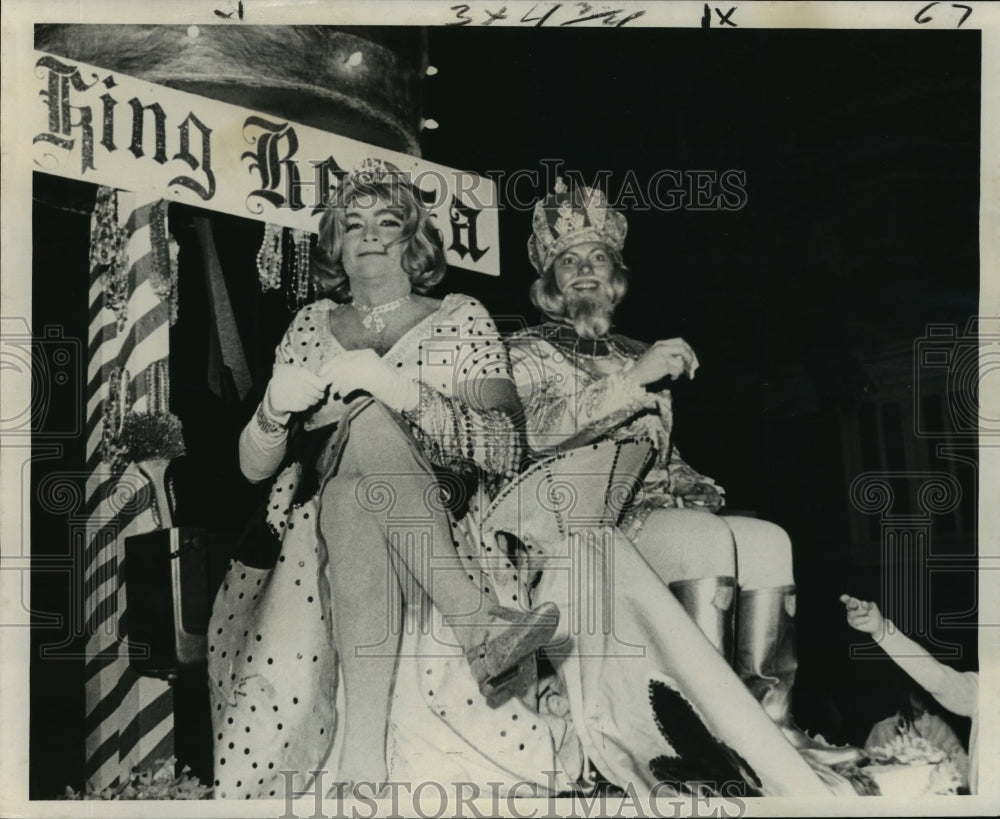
(517, 409)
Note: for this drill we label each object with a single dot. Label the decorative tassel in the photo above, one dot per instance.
(173, 250)
(109, 253)
(124, 399)
(158, 387)
(269, 258)
(116, 406)
(163, 277)
(271, 262)
(112, 419)
(103, 229)
(301, 278)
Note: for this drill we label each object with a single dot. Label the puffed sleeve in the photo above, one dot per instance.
(683, 477)
(561, 409)
(465, 417)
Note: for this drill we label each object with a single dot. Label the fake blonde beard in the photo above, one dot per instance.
(590, 314)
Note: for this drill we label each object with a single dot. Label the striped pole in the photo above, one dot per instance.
(129, 719)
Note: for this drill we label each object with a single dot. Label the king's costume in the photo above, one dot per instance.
(579, 394)
(629, 681)
(576, 391)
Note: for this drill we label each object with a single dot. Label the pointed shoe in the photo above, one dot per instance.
(497, 662)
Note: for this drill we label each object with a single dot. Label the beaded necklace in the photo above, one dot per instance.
(563, 335)
(373, 314)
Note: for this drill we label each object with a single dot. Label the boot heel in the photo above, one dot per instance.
(507, 660)
(515, 682)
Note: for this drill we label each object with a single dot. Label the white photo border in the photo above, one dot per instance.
(18, 19)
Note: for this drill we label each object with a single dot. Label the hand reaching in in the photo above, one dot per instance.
(671, 357)
(864, 616)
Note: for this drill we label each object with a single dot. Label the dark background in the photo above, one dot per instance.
(861, 154)
(860, 229)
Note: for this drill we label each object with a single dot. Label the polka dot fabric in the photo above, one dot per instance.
(272, 666)
(443, 731)
(272, 661)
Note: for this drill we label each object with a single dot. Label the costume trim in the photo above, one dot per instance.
(265, 423)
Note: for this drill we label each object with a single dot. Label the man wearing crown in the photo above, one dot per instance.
(580, 384)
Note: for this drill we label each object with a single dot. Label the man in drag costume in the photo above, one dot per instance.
(386, 413)
(582, 388)
(395, 638)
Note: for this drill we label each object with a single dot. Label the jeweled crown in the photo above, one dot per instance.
(568, 217)
(372, 171)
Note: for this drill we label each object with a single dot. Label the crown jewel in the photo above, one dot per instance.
(568, 217)
(372, 171)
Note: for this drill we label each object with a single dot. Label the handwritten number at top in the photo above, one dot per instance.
(229, 15)
(541, 20)
(494, 16)
(607, 17)
(923, 17)
(585, 12)
(461, 13)
(724, 19)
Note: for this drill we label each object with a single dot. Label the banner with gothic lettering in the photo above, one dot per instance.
(115, 130)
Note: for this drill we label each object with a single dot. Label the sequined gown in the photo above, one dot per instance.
(651, 698)
(576, 391)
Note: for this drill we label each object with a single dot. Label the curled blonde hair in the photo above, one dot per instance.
(547, 297)
(423, 256)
